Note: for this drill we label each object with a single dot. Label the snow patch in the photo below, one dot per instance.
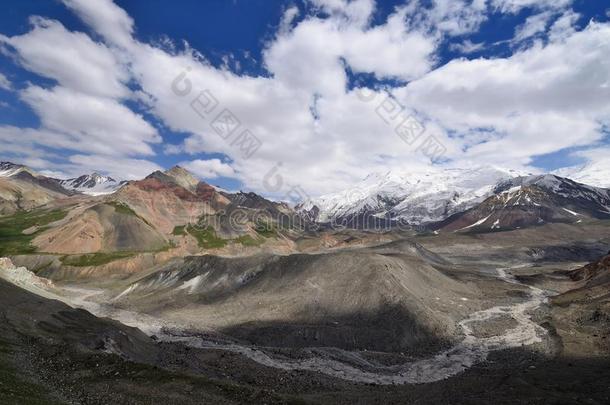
(571, 212)
(92, 184)
(479, 222)
(193, 284)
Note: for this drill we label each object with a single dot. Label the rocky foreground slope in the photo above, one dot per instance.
(98, 361)
(583, 312)
(386, 298)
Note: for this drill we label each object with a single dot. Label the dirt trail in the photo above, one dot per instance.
(470, 351)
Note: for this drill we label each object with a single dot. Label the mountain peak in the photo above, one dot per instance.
(530, 201)
(8, 169)
(91, 184)
(183, 177)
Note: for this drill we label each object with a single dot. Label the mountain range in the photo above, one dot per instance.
(415, 197)
(479, 199)
(462, 199)
(533, 200)
(169, 209)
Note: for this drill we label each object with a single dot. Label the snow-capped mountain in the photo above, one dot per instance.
(417, 197)
(92, 184)
(532, 200)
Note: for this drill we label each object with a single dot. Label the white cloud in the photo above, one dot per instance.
(520, 99)
(533, 25)
(594, 171)
(71, 58)
(504, 110)
(89, 123)
(26, 141)
(537, 101)
(564, 26)
(288, 17)
(84, 112)
(537, 25)
(35, 148)
(514, 6)
(310, 56)
(389, 50)
(22, 143)
(352, 12)
(115, 167)
(110, 21)
(448, 17)
(4, 82)
(173, 149)
(209, 169)
(467, 47)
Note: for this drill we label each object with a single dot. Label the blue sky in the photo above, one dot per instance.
(290, 72)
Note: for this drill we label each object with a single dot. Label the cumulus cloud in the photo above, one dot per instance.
(209, 169)
(536, 101)
(311, 57)
(564, 26)
(288, 17)
(40, 149)
(116, 167)
(110, 21)
(84, 112)
(90, 123)
(496, 113)
(315, 153)
(315, 132)
(71, 58)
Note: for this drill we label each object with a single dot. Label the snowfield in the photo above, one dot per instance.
(414, 197)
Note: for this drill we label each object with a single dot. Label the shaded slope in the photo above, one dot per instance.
(51, 353)
(346, 299)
